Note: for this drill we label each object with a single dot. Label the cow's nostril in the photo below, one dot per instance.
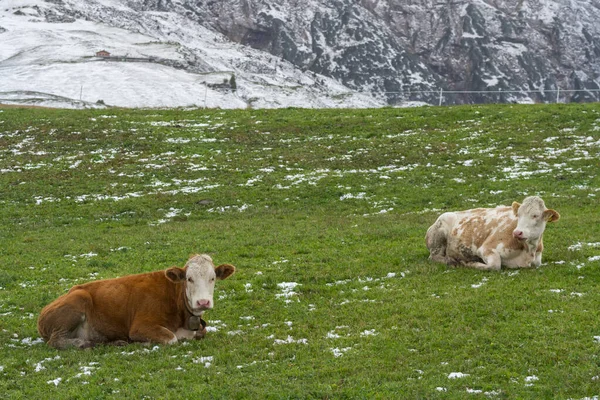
(203, 303)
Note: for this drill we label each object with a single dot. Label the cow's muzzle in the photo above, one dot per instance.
(517, 234)
(202, 305)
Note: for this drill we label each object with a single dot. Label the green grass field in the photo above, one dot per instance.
(324, 213)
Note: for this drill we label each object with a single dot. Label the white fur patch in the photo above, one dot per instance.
(184, 334)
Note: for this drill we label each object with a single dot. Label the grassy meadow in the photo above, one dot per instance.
(324, 213)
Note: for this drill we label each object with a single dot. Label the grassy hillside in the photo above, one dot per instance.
(324, 214)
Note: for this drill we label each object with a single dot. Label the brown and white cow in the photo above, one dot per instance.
(487, 238)
(158, 307)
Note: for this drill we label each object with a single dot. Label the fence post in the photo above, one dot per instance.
(557, 93)
(441, 90)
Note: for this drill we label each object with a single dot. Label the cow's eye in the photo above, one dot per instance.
(190, 280)
(212, 279)
(535, 216)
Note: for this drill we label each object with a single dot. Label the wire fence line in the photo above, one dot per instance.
(439, 93)
(498, 91)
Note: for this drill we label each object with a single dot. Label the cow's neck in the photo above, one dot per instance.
(191, 321)
(532, 245)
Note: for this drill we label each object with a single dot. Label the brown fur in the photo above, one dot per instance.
(148, 307)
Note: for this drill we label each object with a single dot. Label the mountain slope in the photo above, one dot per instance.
(169, 61)
(390, 45)
(301, 53)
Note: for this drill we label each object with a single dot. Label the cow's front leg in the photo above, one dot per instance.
(537, 259)
(491, 261)
(152, 334)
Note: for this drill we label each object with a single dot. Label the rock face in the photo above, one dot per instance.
(526, 48)
(395, 50)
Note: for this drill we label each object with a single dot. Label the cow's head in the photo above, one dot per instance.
(532, 217)
(199, 275)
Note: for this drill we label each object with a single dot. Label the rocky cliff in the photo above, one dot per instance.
(514, 46)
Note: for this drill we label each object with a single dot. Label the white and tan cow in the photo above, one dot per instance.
(158, 307)
(487, 238)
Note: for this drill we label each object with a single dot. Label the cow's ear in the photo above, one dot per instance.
(551, 215)
(175, 274)
(223, 271)
(515, 207)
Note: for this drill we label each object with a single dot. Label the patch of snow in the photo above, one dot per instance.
(290, 340)
(353, 196)
(480, 284)
(338, 352)
(207, 361)
(287, 289)
(367, 332)
(55, 382)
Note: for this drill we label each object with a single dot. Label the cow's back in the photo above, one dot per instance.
(475, 227)
(102, 311)
(119, 301)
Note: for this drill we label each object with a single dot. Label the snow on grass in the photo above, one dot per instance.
(214, 326)
(54, 382)
(332, 335)
(86, 370)
(457, 375)
(532, 378)
(353, 196)
(580, 245)
(480, 284)
(223, 209)
(122, 248)
(338, 352)
(40, 365)
(368, 332)
(359, 279)
(287, 290)
(172, 213)
(290, 340)
(207, 361)
(28, 341)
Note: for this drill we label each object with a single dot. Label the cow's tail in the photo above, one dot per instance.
(436, 240)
